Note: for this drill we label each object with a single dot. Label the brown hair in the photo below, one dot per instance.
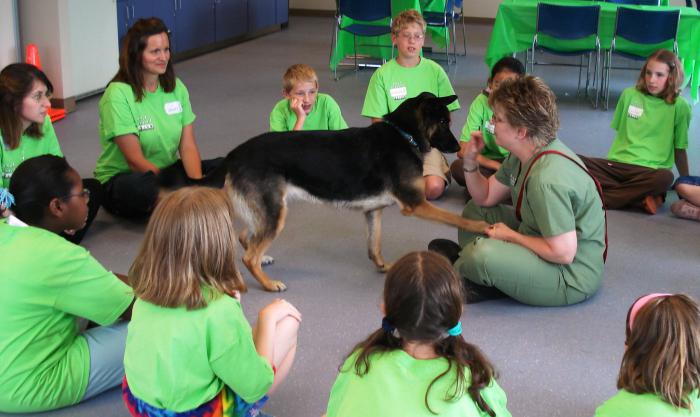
(675, 75)
(528, 102)
(663, 350)
(405, 18)
(131, 56)
(16, 82)
(422, 299)
(298, 73)
(189, 244)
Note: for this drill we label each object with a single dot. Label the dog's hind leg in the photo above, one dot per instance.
(374, 239)
(243, 239)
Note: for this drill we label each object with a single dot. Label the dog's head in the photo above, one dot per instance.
(427, 118)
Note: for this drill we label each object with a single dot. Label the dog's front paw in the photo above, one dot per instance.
(267, 260)
(276, 286)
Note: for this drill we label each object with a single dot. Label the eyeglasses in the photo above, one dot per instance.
(84, 194)
(414, 36)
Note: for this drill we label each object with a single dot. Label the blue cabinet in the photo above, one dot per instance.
(198, 23)
(231, 18)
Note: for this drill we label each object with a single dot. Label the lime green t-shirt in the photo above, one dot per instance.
(560, 197)
(649, 129)
(391, 84)
(396, 384)
(325, 115)
(29, 147)
(627, 404)
(178, 359)
(479, 119)
(157, 120)
(44, 360)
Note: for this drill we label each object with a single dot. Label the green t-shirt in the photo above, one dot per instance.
(325, 115)
(395, 386)
(479, 119)
(561, 197)
(44, 360)
(157, 120)
(391, 84)
(627, 404)
(29, 147)
(178, 359)
(648, 129)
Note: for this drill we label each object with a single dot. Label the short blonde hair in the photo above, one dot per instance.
(189, 244)
(527, 102)
(405, 18)
(298, 73)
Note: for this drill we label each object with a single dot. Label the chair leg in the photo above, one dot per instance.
(454, 40)
(334, 44)
(596, 81)
(580, 69)
(464, 35)
(607, 79)
(354, 41)
(447, 44)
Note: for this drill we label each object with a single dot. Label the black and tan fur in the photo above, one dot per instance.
(366, 169)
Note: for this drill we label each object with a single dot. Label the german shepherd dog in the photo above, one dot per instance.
(359, 168)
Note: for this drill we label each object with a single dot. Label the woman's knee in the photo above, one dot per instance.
(434, 187)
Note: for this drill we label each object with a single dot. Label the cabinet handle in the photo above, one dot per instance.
(175, 4)
(133, 15)
(127, 12)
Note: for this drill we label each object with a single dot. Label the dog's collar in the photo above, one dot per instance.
(403, 133)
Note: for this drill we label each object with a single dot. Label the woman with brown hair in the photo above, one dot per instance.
(146, 121)
(549, 250)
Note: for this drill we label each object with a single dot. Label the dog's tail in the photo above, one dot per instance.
(174, 177)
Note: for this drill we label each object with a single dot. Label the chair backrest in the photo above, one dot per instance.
(637, 2)
(365, 10)
(646, 26)
(567, 22)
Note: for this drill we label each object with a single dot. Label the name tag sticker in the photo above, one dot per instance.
(634, 111)
(489, 127)
(174, 107)
(398, 93)
(145, 126)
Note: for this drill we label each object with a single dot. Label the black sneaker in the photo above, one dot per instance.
(475, 293)
(446, 248)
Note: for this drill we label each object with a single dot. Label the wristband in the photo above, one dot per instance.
(471, 170)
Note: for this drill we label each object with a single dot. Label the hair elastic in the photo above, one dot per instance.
(641, 302)
(456, 330)
(387, 326)
(6, 199)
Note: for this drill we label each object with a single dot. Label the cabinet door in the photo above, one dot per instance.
(165, 11)
(231, 18)
(282, 12)
(194, 24)
(140, 9)
(261, 14)
(123, 13)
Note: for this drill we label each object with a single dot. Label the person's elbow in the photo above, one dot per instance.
(563, 248)
(565, 257)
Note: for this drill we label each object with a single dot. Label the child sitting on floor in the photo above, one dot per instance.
(190, 350)
(660, 371)
(418, 363)
(303, 107)
(688, 190)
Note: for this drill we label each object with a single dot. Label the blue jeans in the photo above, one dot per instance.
(106, 345)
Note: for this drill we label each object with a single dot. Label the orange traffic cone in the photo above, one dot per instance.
(32, 57)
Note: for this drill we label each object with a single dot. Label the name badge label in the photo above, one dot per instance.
(398, 93)
(634, 111)
(174, 107)
(489, 127)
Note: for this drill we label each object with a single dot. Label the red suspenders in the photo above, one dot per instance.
(597, 185)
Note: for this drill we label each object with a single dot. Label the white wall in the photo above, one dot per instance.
(8, 40)
(77, 41)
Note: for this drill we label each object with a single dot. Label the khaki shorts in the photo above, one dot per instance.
(434, 163)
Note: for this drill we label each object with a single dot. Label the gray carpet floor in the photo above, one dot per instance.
(551, 361)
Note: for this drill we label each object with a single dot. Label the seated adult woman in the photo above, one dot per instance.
(46, 283)
(145, 120)
(549, 250)
(26, 130)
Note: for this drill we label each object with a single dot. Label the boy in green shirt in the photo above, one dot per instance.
(303, 107)
(405, 77)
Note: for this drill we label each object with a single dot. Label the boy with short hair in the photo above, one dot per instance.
(303, 107)
(407, 76)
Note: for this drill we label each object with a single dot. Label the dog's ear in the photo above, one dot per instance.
(426, 95)
(446, 100)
